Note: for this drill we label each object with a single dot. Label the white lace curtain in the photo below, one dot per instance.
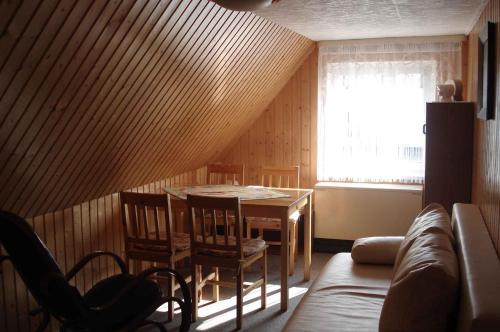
(371, 106)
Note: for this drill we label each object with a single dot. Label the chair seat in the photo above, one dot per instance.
(249, 247)
(126, 310)
(182, 241)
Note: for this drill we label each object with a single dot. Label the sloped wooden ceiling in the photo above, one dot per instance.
(285, 133)
(99, 96)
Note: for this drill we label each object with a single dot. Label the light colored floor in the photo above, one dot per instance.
(221, 315)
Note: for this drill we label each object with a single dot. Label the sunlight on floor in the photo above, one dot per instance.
(216, 313)
(209, 308)
(225, 310)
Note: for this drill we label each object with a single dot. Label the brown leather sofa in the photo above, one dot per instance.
(350, 296)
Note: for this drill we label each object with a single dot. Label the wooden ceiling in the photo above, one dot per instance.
(99, 96)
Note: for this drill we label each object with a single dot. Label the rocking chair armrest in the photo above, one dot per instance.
(89, 257)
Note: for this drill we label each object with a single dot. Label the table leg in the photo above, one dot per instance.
(284, 260)
(307, 238)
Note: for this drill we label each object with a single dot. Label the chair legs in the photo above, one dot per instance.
(240, 289)
(263, 270)
(293, 243)
(194, 291)
(200, 279)
(196, 281)
(170, 292)
(249, 230)
(239, 298)
(215, 287)
(293, 248)
(137, 266)
(296, 241)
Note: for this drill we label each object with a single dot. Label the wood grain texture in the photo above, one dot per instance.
(285, 133)
(71, 234)
(443, 147)
(486, 167)
(99, 96)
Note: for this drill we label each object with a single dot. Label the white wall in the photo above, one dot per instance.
(347, 211)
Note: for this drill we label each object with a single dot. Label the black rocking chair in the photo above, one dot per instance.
(119, 303)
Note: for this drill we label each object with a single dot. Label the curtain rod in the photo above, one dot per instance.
(393, 40)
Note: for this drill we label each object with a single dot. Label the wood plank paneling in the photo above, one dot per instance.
(97, 96)
(486, 167)
(70, 234)
(285, 133)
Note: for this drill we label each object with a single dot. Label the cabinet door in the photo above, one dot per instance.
(448, 157)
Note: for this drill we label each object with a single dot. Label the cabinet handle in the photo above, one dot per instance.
(424, 129)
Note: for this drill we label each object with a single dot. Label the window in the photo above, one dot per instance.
(371, 112)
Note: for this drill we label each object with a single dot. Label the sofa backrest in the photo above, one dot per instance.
(479, 306)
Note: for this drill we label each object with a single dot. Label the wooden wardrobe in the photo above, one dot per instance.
(448, 155)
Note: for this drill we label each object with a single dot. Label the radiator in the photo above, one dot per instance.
(346, 211)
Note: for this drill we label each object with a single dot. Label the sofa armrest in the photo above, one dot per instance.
(376, 249)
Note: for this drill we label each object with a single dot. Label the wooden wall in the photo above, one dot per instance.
(486, 168)
(98, 96)
(70, 234)
(285, 134)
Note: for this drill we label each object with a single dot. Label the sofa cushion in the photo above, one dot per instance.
(424, 288)
(376, 249)
(342, 286)
(432, 219)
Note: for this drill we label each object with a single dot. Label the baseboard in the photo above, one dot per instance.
(332, 245)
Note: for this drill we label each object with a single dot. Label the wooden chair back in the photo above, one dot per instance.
(280, 177)
(204, 213)
(226, 174)
(146, 220)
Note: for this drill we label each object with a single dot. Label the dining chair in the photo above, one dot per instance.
(122, 302)
(278, 177)
(226, 174)
(150, 236)
(208, 248)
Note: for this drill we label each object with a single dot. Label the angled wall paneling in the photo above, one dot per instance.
(486, 167)
(285, 134)
(97, 96)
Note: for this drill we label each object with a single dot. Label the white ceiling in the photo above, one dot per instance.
(356, 19)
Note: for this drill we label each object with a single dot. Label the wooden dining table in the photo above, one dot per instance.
(280, 208)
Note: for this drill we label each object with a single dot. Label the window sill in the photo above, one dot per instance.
(415, 188)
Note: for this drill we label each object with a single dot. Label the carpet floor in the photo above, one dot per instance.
(221, 315)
